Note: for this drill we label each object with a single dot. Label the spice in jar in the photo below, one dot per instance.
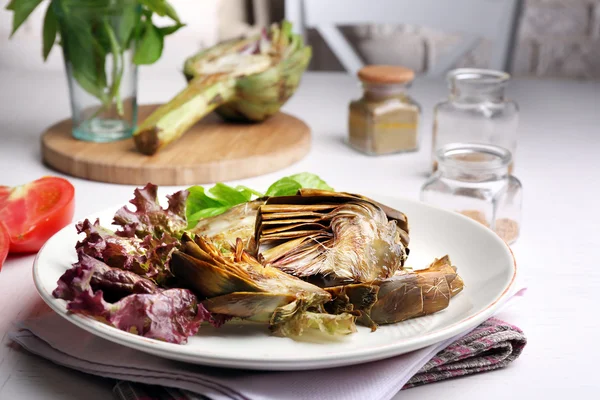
(385, 119)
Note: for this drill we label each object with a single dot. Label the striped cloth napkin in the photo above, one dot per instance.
(492, 345)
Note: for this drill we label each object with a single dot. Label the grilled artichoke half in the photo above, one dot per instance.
(225, 229)
(331, 238)
(407, 294)
(243, 80)
(237, 285)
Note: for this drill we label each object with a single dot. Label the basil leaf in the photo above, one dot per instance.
(284, 187)
(312, 181)
(167, 30)
(221, 197)
(162, 8)
(150, 45)
(49, 31)
(87, 62)
(289, 185)
(127, 24)
(206, 213)
(21, 10)
(228, 195)
(171, 13)
(197, 202)
(248, 192)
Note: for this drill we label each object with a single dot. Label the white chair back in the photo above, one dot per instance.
(494, 20)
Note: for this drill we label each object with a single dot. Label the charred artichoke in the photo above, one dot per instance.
(352, 246)
(331, 238)
(225, 229)
(407, 294)
(243, 80)
(237, 285)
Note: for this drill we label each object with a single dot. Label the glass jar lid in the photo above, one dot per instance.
(474, 157)
(477, 81)
(477, 75)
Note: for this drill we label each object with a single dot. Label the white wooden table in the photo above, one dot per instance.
(558, 162)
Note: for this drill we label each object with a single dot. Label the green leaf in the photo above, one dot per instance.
(21, 10)
(221, 197)
(198, 202)
(206, 213)
(215, 201)
(150, 45)
(248, 192)
(127, 24)
(284, 187)
(198, 199)
(171, 13)
(49, 31)
(311, 181)
(86, 56)
(162, 8)
(289, 185)
(168, 30)
(228, 195)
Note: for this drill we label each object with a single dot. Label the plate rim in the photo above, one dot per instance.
(326, 360)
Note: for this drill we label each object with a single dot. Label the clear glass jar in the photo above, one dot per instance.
(97, 40)
(385, 119)
(476, 111)
(473, 179)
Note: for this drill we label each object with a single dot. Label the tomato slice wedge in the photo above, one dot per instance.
(4, 244)
(33, 212)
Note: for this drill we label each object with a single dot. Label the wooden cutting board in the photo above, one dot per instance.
(211, 151)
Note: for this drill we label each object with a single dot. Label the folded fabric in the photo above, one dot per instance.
(494, 344)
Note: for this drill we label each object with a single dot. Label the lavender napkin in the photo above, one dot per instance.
(492, 345)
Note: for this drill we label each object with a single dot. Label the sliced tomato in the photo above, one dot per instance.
(34, 212)
(4, 243)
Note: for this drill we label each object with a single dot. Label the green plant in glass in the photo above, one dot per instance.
(103, 43)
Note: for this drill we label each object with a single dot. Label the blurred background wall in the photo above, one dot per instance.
(555, 38)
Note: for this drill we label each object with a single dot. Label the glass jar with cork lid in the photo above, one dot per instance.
(385, 119)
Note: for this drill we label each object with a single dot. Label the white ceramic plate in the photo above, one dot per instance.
(484, 261)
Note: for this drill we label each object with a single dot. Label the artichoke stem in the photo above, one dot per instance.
(171, 120)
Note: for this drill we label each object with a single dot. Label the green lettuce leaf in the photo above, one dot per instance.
(311, 181)
(218, 199)
(202, 203)
(289, 185)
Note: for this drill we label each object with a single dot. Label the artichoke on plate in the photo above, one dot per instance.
(346, 245)
(237, 285)
(245, 79)
(225, 229)
(331, 238)
(407, 294)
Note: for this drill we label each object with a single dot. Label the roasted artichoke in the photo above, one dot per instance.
(331, 238)
(346, 245)
(236, 285)
(242, 80)
(407, 294)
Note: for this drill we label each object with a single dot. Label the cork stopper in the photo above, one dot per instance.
(386, 74)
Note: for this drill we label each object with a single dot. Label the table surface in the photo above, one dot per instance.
(557, 161)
